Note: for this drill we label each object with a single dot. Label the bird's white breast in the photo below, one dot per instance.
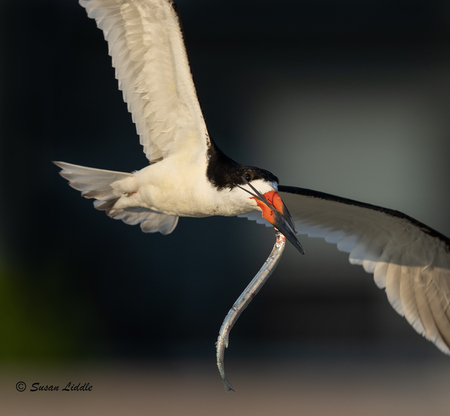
(179, 186)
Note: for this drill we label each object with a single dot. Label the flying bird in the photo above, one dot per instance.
(189, 176)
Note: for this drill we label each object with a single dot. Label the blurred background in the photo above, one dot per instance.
(345, 97)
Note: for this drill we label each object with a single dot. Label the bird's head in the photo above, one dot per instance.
(262, 186)
(258, 188)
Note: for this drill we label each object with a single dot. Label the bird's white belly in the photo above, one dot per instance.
(175, 187)
(192, 201)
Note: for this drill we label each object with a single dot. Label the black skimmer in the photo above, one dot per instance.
(189, 176)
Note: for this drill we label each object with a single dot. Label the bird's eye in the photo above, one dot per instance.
(247, 177)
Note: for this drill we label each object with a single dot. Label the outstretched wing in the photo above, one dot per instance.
(147, 50)
(409, 259)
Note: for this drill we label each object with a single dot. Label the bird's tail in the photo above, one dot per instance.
(107, 188)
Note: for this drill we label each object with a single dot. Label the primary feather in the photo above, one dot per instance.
(148, 52)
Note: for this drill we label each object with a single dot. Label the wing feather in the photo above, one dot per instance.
(147, 49)
(392, 257)
(407, 258)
